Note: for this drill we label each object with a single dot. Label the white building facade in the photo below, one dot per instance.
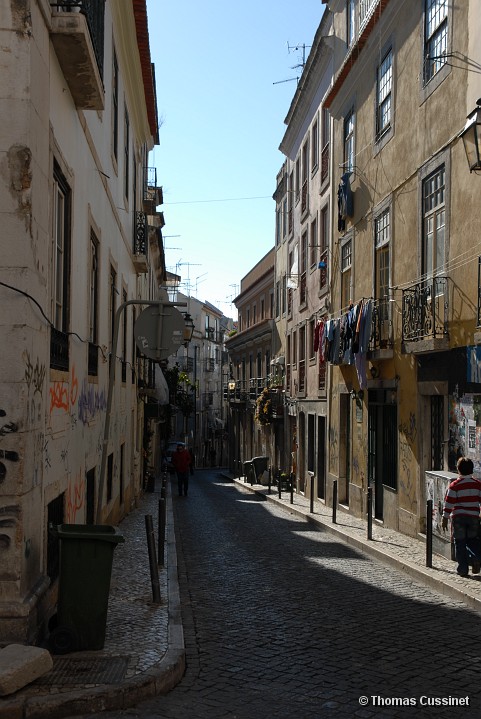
(79, 118)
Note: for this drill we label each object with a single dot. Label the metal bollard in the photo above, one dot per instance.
(269, 481)
(311, 492)
(154, 570)
(279, 485)
(334, 501)
(429, 533)
(161, 525)
(291, 486)
(369, 512)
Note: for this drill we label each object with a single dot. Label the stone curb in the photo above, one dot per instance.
(424, 575)
(159, 679)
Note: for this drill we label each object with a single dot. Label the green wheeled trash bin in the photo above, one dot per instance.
(86, 555)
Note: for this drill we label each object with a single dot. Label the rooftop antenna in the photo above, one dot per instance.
(300, 64)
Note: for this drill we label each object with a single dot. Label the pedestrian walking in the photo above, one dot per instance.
(182, 461)
(462, 504)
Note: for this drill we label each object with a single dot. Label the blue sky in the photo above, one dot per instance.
(222, 104)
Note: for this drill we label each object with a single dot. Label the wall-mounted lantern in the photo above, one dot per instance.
(471, 136)
(188, 329)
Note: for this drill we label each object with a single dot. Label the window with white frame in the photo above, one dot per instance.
(384, 95)
(315, 144)
(382, 237)
(346, 263)
(434, 221)
(313, 243)
(435, 37)
(349, 125)
(351, 21)
(324, 243)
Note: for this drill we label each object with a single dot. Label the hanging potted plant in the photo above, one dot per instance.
(263, 413)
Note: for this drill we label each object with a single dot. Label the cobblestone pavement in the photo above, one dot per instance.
(284, 619)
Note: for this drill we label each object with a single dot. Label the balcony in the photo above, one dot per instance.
(140, 243)
(256, 385)
(152, 195)
(425, 316)
(382, 340)
(209, 364)
(77, 34)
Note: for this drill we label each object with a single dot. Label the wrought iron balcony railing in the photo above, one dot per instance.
(382, 330)
(425, 309)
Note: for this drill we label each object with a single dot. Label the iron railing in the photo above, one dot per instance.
(425, 309)
(140, 234)
(382, 330)
(59, 355)
(94, 11)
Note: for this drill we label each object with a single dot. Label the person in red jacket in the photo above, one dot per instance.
(462, 503)
(182, 460)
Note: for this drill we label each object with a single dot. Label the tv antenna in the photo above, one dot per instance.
(295, 48)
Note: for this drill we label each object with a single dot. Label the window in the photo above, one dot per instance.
(303, 269)
(278, 226)
(436, 37)
(297, 178)
(312, 331)
(263, 312)
(112, 305)
(346, 258)
(284, 217)
(305, 176)
(384, 95)
(382, 233)
(349, 142)
(326, 131)
(301, 373)
(351, 21)
(313, 243)
(291, 203)
(59, 351)
(324, 243)
(126, 153)
(124, 338)
(115, 106)
(434, 222)
(278, 304)
(93, 300)
(315, 145)
(284, 294)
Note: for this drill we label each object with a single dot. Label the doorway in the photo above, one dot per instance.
(382, 445)
(321, 457)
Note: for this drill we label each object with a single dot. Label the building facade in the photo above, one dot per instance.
(404, 394)
(79, 119)
(303, 267)
(254, 388)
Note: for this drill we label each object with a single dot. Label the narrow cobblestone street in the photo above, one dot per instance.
(284, 620)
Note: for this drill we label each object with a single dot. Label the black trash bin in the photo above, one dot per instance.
(86, 555)
(260, 465)
(249, 471)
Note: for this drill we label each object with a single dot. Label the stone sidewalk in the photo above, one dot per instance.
(144, 651)
(389, 546)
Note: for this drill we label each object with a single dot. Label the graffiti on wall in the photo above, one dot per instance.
(63, 395)
(75, 499)
(407, 439)
(91, 401)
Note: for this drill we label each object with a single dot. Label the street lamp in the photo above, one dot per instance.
(471, 136)
(188, 329)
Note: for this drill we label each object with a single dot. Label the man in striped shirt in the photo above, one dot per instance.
(462, 503)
